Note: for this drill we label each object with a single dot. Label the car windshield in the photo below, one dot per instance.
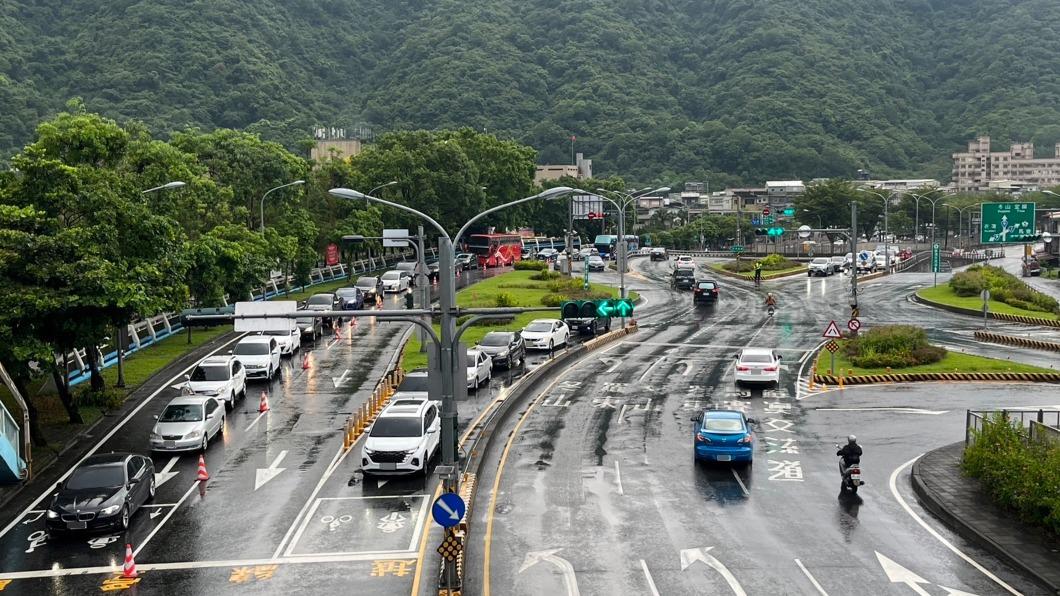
(472, 360)
(414, 383)
(396, 426)
(820, 261)
(346, 292)
(181, 413)
(495, 339)
(725, 425)
(756, 358)
(390, 275)
(366, 282)
(251, 349)
(706, 285)
(210, 373)
(539, 327)
(105, 476)
(305, 321)
(320, 299)
(276, 333)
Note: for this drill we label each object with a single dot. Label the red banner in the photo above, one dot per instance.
(332, 257)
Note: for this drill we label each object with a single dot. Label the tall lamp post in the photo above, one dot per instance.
(886, 230)
(916, 226)
(960, 217)
(269, 192)
(624, 201)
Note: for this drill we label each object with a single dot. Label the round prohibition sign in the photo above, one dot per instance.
(853, 324)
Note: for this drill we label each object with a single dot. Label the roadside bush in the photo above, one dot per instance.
(504, 300)
(769, 263)
(486, 322)
(1017, 474)
(108, 399)
(530, 265)
(546, 275)
(555, 299)
(1004, 287)
(565, 286)
(896, 346)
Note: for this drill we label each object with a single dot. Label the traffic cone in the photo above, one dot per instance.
(202, 475)
(338, 332)
(305, 361)
(263, 404)
(129, 568)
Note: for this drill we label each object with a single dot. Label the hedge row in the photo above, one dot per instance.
(1018, 474)
(896, 346)
(1003, 286)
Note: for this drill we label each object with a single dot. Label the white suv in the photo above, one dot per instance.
(260, 355)
(403, 439)
(222, 377)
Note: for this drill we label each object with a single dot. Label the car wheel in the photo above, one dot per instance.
(551, 346)
(205, 443)
(508, 363)
(489, 376)
(151, 489)
(221, 429)
(124, 522)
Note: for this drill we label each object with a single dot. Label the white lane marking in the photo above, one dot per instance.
(812, 579)
(894, 491)
(691, 555)
(113, 431)
(647, 372)
(263, 475)
(647, 576)
(618, 478)
(335, 461)
(534, 557)
(165, 475)
(256, 419)
(739, 481)
(703, 346)
(900, 575)
(886, 409)
(622, 414)
(802, 369)
(68, 571)
(339, 380)
(165, 519)
(615, 363)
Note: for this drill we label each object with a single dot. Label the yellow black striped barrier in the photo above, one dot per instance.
(1015, 340)
(1044, 377)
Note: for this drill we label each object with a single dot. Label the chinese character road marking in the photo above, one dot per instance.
(557, 402)
(606, 402)
(615, 387)
(775, 407)
(101, 541)
(779, 425)
(118, 582)
(398, 567)
(775, 445)
(785, 470)
(242, 575)
(391, 523)
(335, 522)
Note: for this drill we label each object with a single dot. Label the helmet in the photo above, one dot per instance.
(852, 440)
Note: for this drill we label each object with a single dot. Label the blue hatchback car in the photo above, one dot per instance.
(723, 436)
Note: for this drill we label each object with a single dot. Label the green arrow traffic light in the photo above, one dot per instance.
(605, 308)
(624, 307)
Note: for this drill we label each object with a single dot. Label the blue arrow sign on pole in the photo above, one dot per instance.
(755, 221)
(448, 509)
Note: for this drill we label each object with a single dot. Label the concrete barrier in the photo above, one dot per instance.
(840, 380)
(1015, 340)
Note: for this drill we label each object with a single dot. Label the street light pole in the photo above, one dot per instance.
(621, 206)
(886, 230)
(270, 191)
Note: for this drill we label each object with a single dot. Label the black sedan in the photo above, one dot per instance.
(102, 493)
(370, 287)
(505, 348)
(350, 298)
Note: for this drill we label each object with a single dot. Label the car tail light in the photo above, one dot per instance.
(747, 439)
(715, 292)
(702, 438)
(743, 368)
(699, 291)
(770, 369)
(855, 470)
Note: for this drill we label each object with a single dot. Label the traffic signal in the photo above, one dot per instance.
(624, 307)
(570, 309)
(761, 232)
(775, 232)
(588, 309)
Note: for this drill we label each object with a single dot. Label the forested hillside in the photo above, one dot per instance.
(727, 90)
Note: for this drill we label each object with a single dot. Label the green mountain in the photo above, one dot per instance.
(726, 90)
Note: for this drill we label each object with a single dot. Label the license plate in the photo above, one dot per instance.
(724, 458)
(76, 525)
(169, 444)
(388, 466)
(855, 476)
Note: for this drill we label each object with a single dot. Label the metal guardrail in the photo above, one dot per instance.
(1040, 422)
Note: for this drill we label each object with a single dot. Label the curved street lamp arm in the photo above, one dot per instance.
(346, 193)
(551, 193)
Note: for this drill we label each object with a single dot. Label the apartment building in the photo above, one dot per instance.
(975, 169)
(581, 169)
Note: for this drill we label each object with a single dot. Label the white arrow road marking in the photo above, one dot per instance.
(535, 557)
(446, 508)
(899, 409)
(900, 575)
(688, 367)
(32, 516)
(264, 475)
(691, 555)
(338, 381)
(952, 592)
(165, 475)
(614, 362)
(156, 513)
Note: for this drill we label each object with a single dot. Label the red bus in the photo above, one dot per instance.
(496, 250)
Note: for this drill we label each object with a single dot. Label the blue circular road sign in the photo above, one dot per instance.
(448, 510)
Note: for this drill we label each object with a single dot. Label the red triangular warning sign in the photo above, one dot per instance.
(832, 331)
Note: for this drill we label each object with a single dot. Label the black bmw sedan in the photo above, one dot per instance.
(102, 493)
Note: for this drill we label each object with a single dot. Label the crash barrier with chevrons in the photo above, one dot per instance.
(993, 315)
(468, 485)
(840, 380)
(359, 422)
(1015, 340)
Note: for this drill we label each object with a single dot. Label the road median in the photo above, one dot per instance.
(1015, 340)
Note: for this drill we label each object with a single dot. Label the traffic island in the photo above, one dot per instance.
(963, 505)
(963, 295)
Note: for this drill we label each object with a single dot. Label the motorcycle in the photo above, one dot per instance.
(851, 475)
(770, 310)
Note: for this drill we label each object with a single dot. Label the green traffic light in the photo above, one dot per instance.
(604, 308)
(624, 307)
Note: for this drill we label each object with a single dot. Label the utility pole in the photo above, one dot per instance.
(853, 256)
(424, 285)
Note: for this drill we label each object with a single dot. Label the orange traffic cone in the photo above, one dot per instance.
(305, 361)
(202, 475)
(338, 332)
(263, 405)
(129, 568)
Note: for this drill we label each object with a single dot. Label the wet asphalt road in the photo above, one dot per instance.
(598, 493)
(315, 526)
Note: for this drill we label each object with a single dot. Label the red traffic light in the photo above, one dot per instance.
(593, 215)
(765, 211)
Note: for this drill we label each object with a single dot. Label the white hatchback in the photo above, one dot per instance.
(221, 377)
(479, 369)
(757, 365)
(403, 439)
(546, 334)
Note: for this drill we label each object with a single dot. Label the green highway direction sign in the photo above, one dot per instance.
(1006, 222)
(936, 258)
(737, 249)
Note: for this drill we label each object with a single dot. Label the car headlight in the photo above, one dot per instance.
(155, 436)
(53, 514)
(503, 354)
(195, 434)
(109, 510)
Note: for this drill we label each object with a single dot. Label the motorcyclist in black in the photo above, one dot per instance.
(851, 453)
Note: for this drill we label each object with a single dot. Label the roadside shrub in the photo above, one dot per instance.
(896, 346)
(555, 299)
(530, 265)
(769, 263)
(486, 322)
(504, 300)
(1004, 287)
(775, 260)
(1018, 474)
(565, 286)
(108, 399)
(546, 275)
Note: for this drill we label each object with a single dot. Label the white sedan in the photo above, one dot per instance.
(757, 365)
(396, 281)
(479, 369)
(546, 334)
(220, 377)
(289, 341)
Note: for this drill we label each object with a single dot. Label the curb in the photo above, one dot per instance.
(963, 528)
(1015, 340)
(936, 376)
(993, 315)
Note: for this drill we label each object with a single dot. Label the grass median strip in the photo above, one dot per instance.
(945, 295)
(951, 362)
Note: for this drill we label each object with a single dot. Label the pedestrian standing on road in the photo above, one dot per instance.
(758, 272)
(410, 300)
